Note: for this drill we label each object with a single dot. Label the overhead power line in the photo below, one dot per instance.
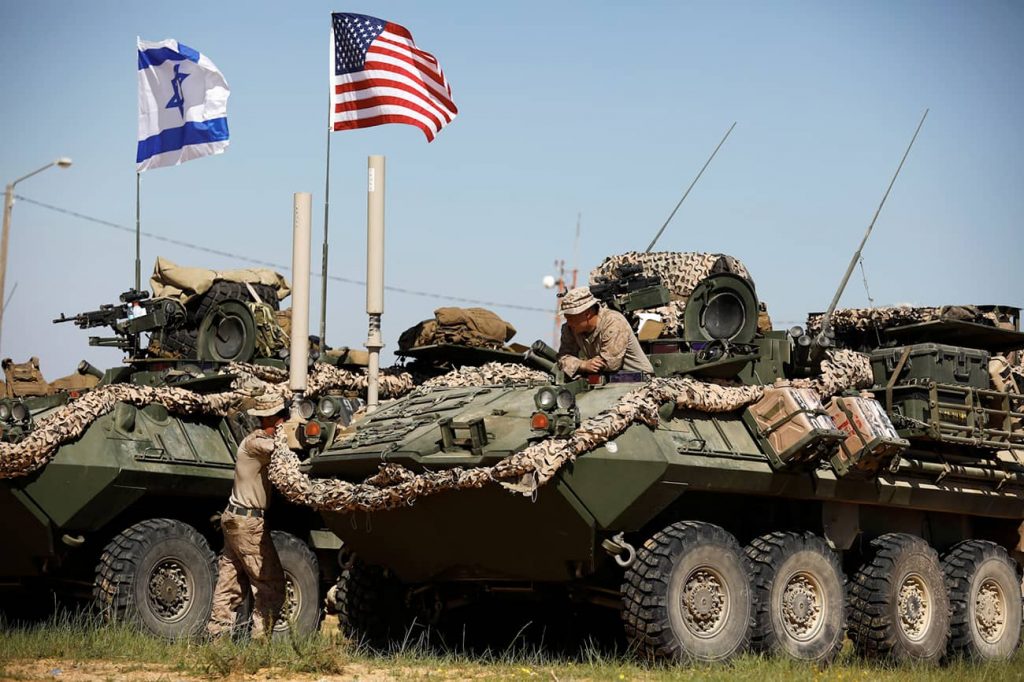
(277, 266)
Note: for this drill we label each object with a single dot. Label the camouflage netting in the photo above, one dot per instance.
(524, 472)
(490, 374)
(679, 271)
(70, 421)
(848, 320)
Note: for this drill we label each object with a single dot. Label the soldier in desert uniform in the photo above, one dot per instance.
(596, 339)
(249, 562)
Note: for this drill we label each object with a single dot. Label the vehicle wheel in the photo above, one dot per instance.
(371, 605)
(985, 599)
(687, 595)
(301, 611)
(899, 607)
(158, 573)
(177, 343)
(223, 291)
(799, 597)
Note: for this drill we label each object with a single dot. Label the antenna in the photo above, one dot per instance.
(827, 322)
(687, 192)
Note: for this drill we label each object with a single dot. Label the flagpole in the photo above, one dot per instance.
(327, 193)
(323, 267)
(138, 232)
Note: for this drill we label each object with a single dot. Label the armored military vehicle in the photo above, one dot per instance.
(124, 513)
(766, 489)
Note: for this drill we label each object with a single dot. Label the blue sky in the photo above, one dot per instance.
(604, 109)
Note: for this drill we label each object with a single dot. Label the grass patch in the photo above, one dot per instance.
(81, 638)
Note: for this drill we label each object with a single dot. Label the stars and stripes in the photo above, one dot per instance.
(380, 76)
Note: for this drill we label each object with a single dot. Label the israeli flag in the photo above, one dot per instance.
(183, 101)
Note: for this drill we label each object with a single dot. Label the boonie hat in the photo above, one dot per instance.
(266, 405)
(578, 300)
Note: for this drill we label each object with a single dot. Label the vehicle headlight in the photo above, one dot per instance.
(19, 412)
(306, 408)
(327, 407)
(5, 411)
(546, 398)
(565, 399)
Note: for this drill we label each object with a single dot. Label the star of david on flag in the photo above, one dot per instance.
(183, 101)
(378, 76)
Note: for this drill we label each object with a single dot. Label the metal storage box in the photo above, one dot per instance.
(792, 426)
(871, 439)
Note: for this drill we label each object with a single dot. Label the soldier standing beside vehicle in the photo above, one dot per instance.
(250, 562)
(596, 339)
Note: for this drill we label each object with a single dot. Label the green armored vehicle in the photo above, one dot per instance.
(123, 513)
(766, 489)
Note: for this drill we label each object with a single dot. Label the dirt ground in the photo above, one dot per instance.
(103, 671)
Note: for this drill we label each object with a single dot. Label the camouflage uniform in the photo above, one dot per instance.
(249, 562)
(612, 339)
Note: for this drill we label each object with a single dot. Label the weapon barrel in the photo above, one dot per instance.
(544, 350)
(539, 361)
(86, 367)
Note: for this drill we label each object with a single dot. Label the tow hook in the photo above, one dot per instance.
(623, 552)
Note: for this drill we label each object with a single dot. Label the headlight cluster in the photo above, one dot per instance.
(14, 412)
(556, 411)
(548, 398)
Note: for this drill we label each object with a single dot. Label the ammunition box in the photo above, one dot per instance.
(871, 439)
(792, 427)
(931, 362)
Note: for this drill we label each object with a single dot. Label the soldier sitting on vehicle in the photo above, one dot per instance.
(596, 339)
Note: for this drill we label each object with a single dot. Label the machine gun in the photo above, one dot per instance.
(135, 314)
(630, 289)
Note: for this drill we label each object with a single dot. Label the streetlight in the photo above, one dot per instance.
(62, 162)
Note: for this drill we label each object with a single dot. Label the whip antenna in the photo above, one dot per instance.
(827, 322)
(687, 192)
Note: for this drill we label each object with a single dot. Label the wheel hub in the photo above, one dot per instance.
(704, 602)
(914, 607)
(802, 601)
(291, 605)
(990, 611)
(170, 590)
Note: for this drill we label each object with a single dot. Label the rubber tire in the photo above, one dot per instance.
(371, 606)
(775, 559)
(874, 621)
(122, 575)
(653, 582)
(966, 566)
(223, 291)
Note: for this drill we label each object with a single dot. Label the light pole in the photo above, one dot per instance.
(62, 162)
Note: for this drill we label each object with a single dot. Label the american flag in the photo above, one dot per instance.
(380, 76)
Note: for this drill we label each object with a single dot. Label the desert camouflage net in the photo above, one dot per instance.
(261, 382)
(679, 271)
(847, 320)
(525, 471)
(490, 374)
(70, 421)
(840, 370)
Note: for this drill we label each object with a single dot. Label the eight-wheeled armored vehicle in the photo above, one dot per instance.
(771, 488)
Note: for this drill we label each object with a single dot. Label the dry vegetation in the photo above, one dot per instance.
(78, 649)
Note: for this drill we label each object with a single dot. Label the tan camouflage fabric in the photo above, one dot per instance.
(673, 317)
(490, 374)
(679, 271)
(476, 327)
(840, 370)
(524, 472)
(255, 384)
(185, 283)
(845, 320)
